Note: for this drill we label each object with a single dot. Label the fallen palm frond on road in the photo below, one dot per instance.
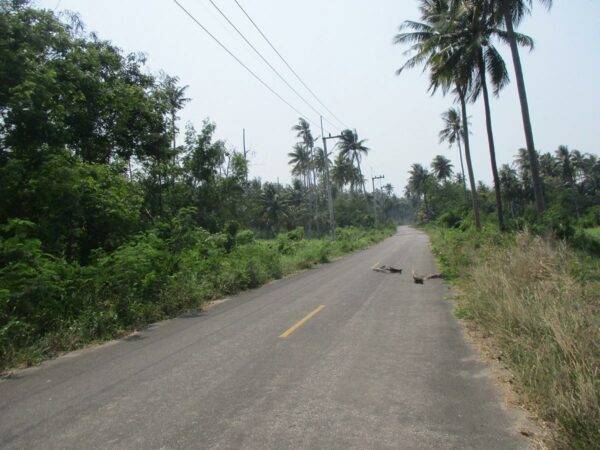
(387, 269)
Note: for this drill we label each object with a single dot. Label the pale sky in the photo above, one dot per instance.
(343, 50)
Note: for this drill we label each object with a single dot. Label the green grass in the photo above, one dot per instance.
(540, 301)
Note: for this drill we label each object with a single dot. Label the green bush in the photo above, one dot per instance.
(297, 234)
(33, 298)
(450, 220)
(591, 218)
(586, 241)
(244, 237)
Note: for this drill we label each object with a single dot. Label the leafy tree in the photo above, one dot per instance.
(175, 99)
(64, 90)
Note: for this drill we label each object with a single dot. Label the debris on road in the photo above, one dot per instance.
(431, 276)
(416, 278)
(387, 269)
(420, 279)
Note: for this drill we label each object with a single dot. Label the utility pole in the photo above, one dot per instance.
(379, 177)
(245, 152)
(327, 180)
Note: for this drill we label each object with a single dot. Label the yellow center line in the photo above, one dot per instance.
(300, 323)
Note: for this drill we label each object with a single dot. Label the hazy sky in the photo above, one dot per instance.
(343, 50)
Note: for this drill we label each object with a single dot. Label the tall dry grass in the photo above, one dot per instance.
(541, 302)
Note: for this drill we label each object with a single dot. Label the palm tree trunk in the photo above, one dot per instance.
(462, 167)
(475, 200)
(492, 147)
(533, 158)
(362, 179)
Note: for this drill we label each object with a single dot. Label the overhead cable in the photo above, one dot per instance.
(288, 65)
(269, 64)
(191, 16)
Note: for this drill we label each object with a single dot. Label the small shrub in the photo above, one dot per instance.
(591, 218)
(244, 237)
(297, 234)
(450, 220)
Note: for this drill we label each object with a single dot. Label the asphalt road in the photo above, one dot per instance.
(379, 362)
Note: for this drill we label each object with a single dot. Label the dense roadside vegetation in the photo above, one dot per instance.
(50, 305)
(107, 222)
(523, 255)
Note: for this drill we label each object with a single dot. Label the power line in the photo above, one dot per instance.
(288, 66)
(268, 63)
(242, 64)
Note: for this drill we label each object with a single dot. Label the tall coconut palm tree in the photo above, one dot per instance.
(274, 206)
(589, 168)
(578, 163)
(470, 32)
(569, 161)
(565, 162)
(345, 172)
(388, 189)
(461, 92)
(353, 148)
(431, 47)
(417, 182)
(512, 12)
(300, 162)
(451, 133)
(304, 133)
(548, 166)
(321, 161)
(511, 187)
(442, 168)
(524, 168)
